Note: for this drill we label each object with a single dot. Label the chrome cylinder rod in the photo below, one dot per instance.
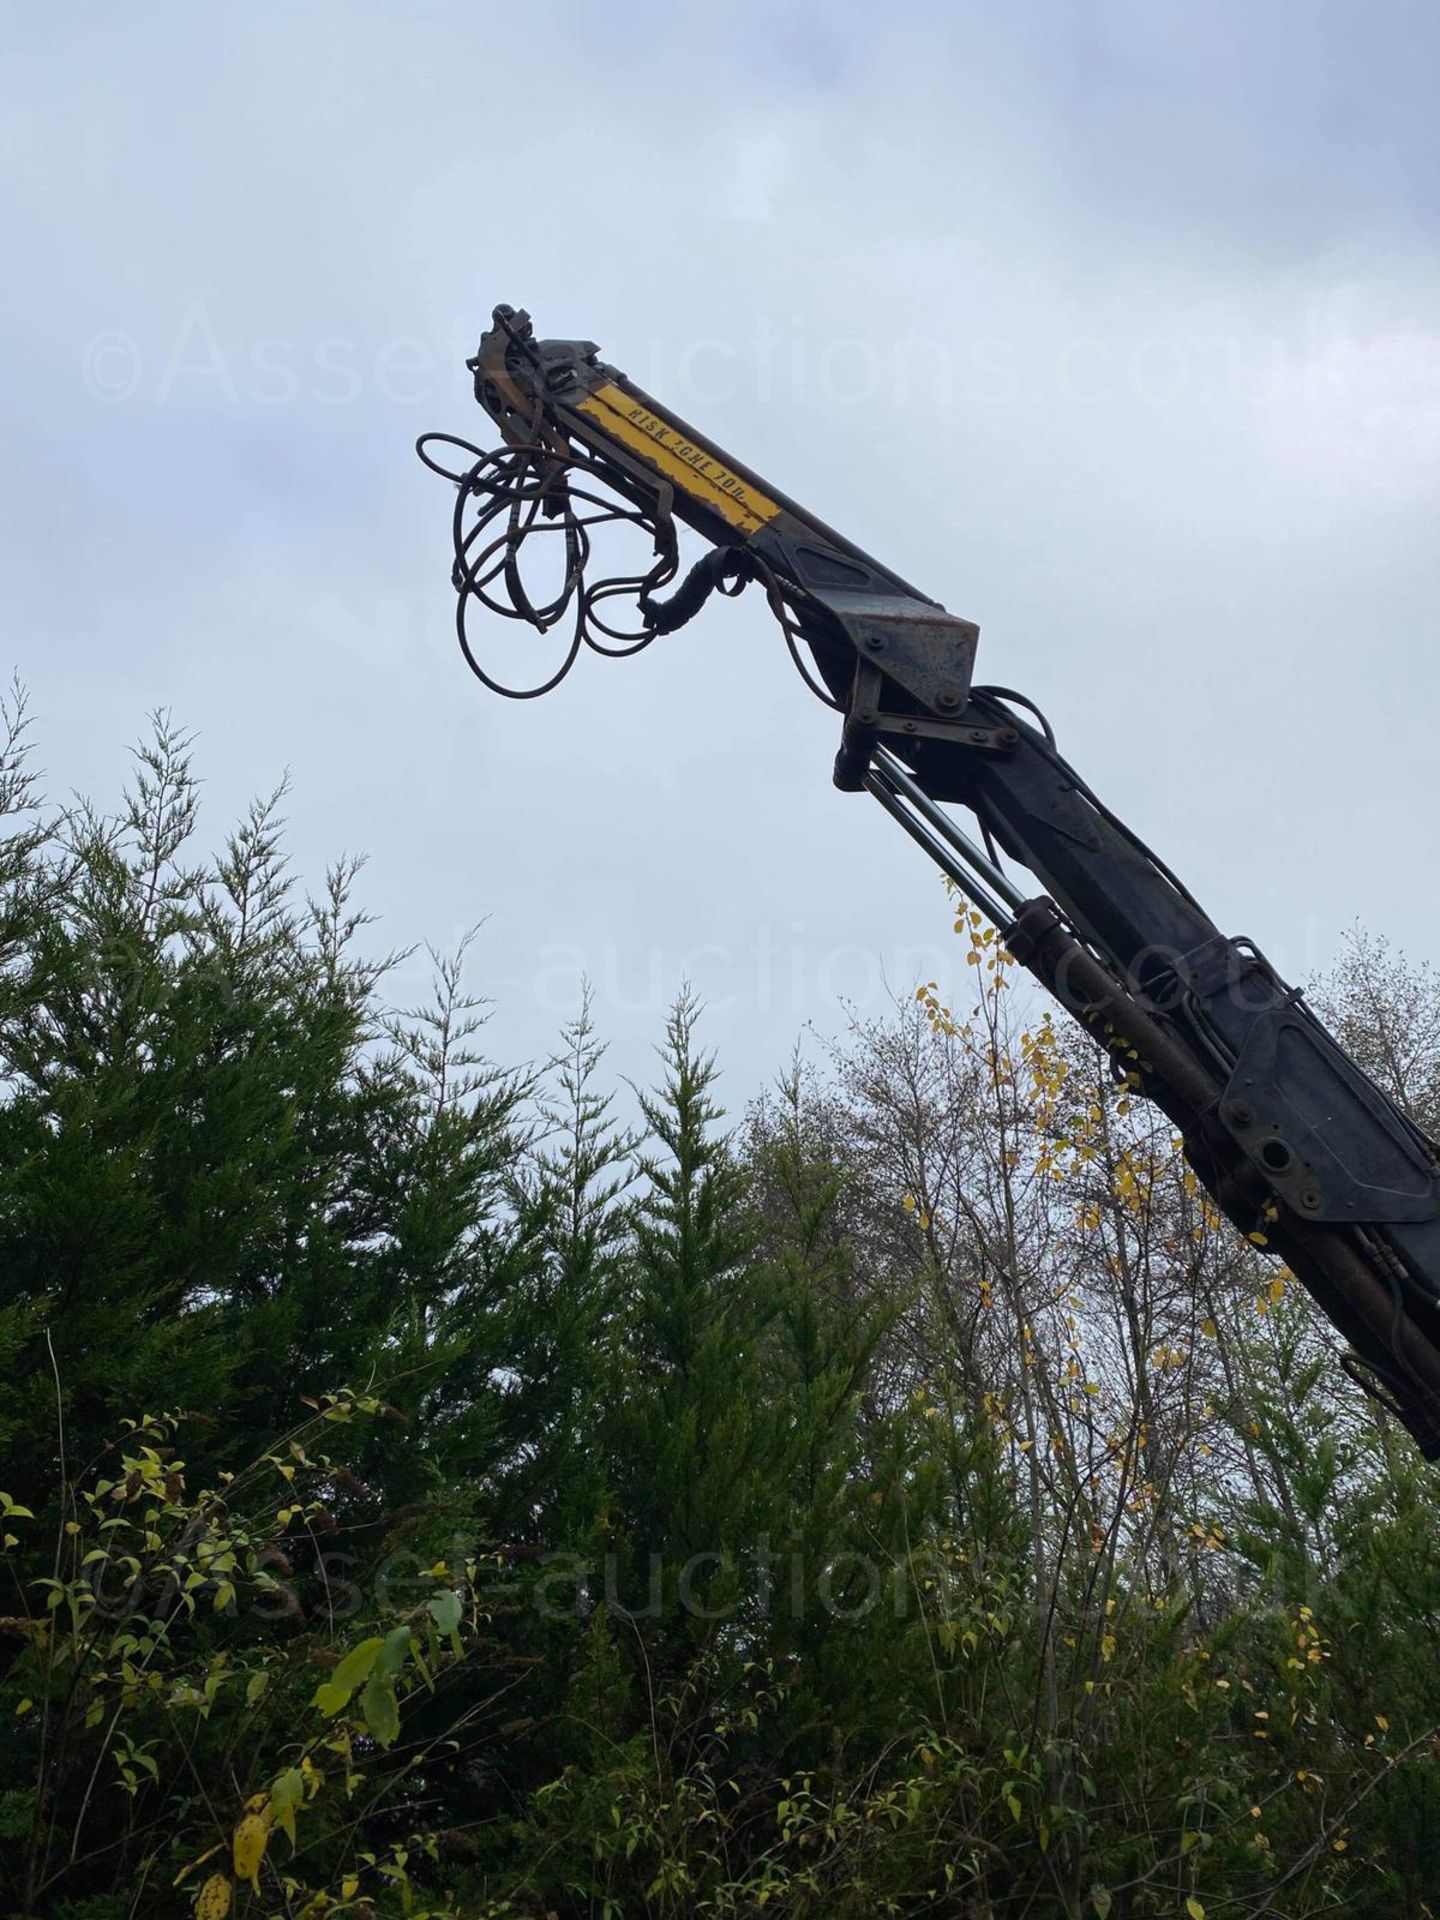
(948, 845)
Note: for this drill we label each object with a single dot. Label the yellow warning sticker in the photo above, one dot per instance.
(699, 473)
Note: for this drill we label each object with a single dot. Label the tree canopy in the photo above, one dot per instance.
(428, 1489)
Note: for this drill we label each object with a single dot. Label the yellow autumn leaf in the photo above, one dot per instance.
(213, 1900)
(1209, 1329)
(1194, 1908)
(251, 1835)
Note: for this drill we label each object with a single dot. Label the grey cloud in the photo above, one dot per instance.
(1116, 327)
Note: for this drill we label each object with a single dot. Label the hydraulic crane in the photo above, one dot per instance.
(1281, 1126)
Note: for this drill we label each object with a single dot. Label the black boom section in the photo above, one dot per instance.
(1288, 1134)
(1319, 1132)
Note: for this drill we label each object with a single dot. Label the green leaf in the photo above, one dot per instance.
(395, 1650)
(380, 1708)
(287, 1793)
(1101, 1901)
(444, 1609)
(1194, 1908)
(333, 1694)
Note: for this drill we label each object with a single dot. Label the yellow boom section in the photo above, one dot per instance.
(685, 465)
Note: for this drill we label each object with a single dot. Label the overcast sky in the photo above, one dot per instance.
(1116, 327)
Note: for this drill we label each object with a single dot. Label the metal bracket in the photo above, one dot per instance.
(958, 731)
(867, 722)
(965, 730)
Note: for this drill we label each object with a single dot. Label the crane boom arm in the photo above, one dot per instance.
(1285, 1131)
